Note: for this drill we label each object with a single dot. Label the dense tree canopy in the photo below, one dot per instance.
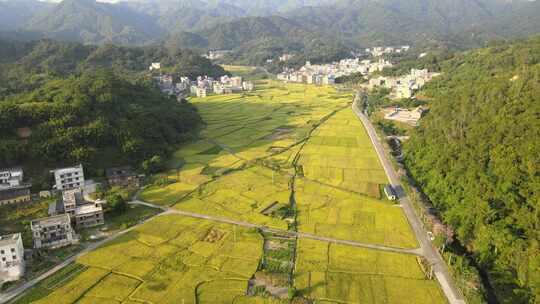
(63, 103)
(74, 119)
(476, 156)
(26, 66)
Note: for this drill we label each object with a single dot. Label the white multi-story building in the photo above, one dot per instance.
(11, 257)
(69, 178)
(155, 66)
(12, 177)
(236, 81)
(53, 232)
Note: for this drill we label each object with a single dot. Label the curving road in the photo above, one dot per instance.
(427, 250)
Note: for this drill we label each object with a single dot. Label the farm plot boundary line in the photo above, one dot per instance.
(263, 228)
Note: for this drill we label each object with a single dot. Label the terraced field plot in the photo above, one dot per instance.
(242, 195)
(339, 153)
(243, 127)
(330, 273)
(330, 212)
(242, 168)
(171, 259)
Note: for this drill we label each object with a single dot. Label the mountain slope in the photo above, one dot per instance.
(477, 158)
(14, 14)
(92, 22)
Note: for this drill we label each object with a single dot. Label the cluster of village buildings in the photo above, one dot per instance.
(73, 209)
(202, 86)
(381, 50)
(403, 86)
(326, 74)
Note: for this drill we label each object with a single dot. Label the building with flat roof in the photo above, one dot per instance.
(11, 177)
(12, 195)
(82, 213)
(68, 178)
(11, 257)
(53, 232)
(89, 215)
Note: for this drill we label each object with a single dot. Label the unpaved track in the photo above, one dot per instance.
(280, 231)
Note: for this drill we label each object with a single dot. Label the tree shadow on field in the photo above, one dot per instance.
(250, 121)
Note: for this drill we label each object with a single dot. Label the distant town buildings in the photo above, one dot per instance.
(155, 66)
(12, 263)
(325, 74)
(404, 115)
(403, 86)
(218, 54)
(68, 178)
(379, 51)
(202, 86)
(53, 232)
(285, 57)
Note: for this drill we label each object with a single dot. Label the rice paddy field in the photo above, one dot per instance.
(331, 273)
(287, 156)
(171, 259)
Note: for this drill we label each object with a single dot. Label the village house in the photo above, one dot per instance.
(248, 86)
(89, 215)
(11, 177)
(12, 263)
(69, 178)
(155, 66)
(123, 177)
(404, 115)
(84, 213)
(236, 82)
(12, 195)
(285, 57)
(218, 54)
(12, 188)
(53, 232)
(201, 92)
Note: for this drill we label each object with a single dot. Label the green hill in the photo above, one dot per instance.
(94, 22)
(476, 156)
(88, 104)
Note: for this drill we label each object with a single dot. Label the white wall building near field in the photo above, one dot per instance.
(11, 177)
(11, 257)
(53, 232)
(69, 178)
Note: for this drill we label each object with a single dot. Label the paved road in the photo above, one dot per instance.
(427, 250)
(13, 294)
(280, 231)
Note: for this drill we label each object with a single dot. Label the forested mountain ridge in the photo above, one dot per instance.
(96, 23)
(26, 65)
(226, 24)
(476, 156)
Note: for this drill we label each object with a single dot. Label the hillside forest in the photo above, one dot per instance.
(63, 103)
(476, 156)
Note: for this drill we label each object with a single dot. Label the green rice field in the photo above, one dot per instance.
(286, 156)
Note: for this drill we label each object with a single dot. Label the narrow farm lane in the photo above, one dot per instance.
(427, 250)
(281, 231)
(14, 293)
